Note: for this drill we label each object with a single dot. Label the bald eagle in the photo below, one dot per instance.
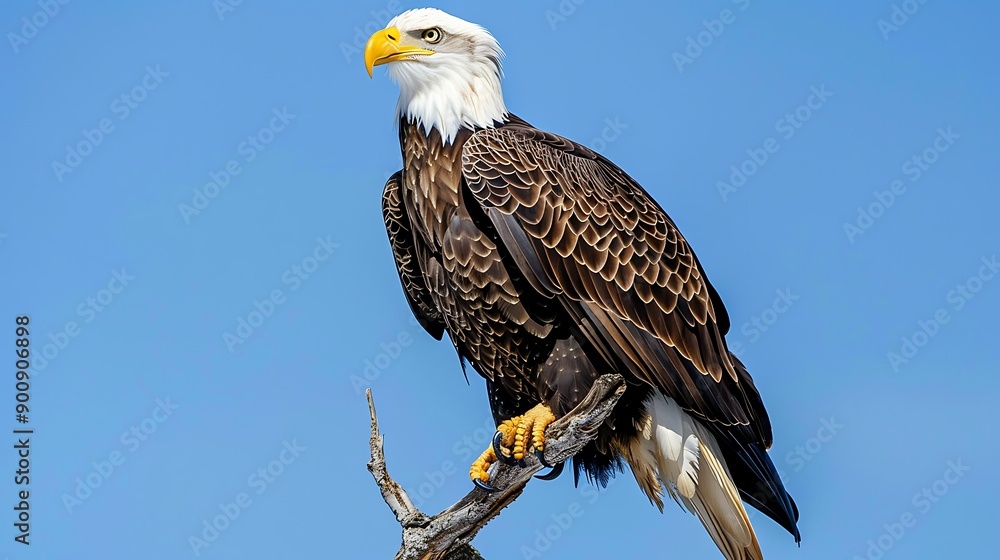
(549, 266)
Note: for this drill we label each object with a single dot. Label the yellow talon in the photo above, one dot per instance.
(539, 417)
(513, 436)
(534, 423)
(482, 464)
(508, 429)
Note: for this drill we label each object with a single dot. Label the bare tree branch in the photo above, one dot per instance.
(446, 536)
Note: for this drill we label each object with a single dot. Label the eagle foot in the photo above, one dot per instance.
(498, 449)
(511, 442)
(479, 472)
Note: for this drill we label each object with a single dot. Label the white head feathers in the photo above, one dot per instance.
(457, 86)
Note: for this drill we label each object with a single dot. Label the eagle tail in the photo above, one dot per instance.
(673, 451)
(760, 484)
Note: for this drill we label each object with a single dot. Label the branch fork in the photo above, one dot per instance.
(446, 536)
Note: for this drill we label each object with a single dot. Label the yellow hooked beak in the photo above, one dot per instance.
(383, 47)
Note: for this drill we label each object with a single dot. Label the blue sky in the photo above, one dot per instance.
(190, 217)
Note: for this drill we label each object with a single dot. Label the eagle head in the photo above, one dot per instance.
(448, 71)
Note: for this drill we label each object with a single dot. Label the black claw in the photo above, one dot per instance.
(553, 474)
(505, 459)
(483, 486)
(541, 459)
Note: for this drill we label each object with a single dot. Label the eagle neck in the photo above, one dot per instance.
(432, 177)
(448, 102)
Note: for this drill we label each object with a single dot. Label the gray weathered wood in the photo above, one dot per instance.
(446, 536)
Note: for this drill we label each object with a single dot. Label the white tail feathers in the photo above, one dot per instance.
(674, 451)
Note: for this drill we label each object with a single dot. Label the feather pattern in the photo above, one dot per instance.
(677, 453)
(587, 232)
(404, 250)
(547, 266)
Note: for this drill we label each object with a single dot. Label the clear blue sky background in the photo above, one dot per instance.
(858, 436)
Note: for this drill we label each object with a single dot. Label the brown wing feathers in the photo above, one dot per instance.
(397, 225)
(584, 229)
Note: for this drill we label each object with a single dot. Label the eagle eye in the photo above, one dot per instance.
(432, 35)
